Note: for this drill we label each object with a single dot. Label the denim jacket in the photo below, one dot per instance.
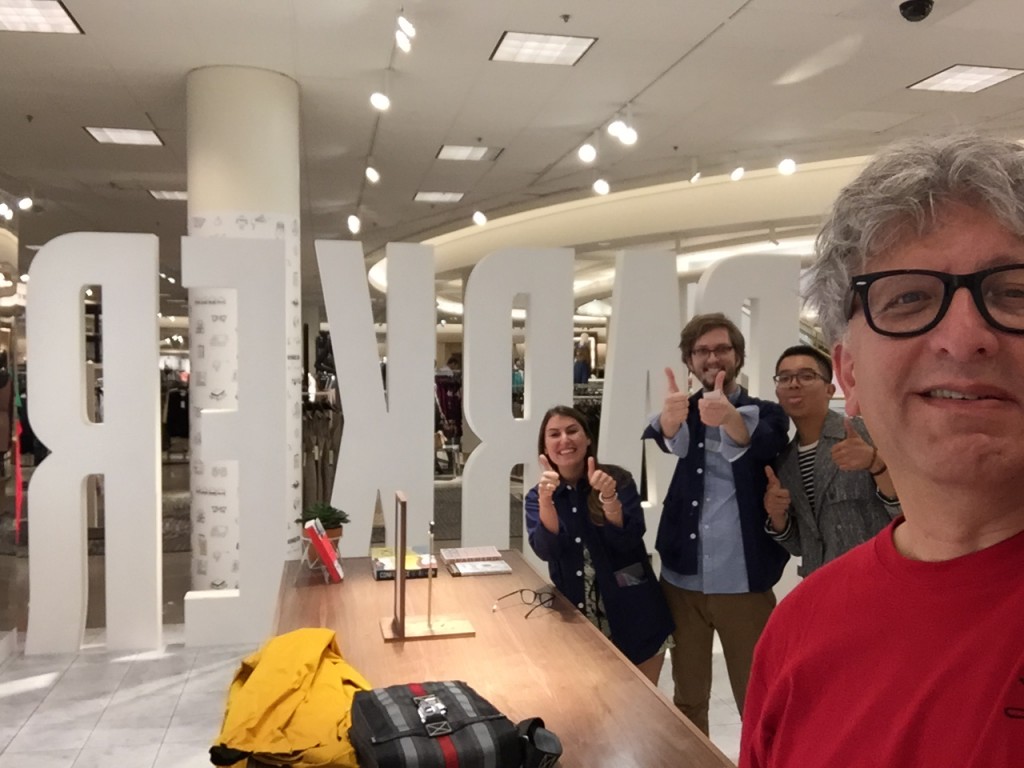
(678, 540)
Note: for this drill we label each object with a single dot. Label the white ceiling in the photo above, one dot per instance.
(719, 83)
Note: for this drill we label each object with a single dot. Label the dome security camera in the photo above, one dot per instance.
(916, 10)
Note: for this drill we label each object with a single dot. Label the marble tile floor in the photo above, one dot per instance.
(99, 709)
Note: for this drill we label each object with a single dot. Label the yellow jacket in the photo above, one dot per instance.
(291, 702)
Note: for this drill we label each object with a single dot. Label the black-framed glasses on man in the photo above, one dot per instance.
(908, 302)
(720, 351)
(543, 599)
(803, 377)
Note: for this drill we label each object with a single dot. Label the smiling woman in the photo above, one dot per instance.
(586, 521)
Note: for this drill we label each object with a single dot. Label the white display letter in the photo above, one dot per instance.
(643, 340)
(772, 286)
(545, 278)
(251, 431)
(387, 441)
(124, 447)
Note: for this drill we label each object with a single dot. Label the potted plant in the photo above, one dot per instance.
(331, 518)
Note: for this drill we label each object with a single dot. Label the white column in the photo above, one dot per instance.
(243, 181)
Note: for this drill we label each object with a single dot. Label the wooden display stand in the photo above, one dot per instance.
(400, 627)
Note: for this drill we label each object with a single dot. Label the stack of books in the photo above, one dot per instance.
(417, 565)
(474, 561)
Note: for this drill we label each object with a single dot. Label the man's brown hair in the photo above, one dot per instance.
(701, 324)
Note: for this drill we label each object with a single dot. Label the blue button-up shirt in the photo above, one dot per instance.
(722, 567)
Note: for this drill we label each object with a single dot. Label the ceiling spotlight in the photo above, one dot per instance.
(695, 178)
(380, 101)
(601, 187)
(170, 280)
(402, 41)
(587, 153)
(479, 218)
(88, 291)
(4, 208)
(787, 167)
(737, 174)
(372, 175)
(8, 214)
(354, 224)
(628, 136)
(406, 26)
(24, 278)
(616, 127)
(443, 322)
(25, 203)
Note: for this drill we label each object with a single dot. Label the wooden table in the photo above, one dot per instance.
(555, 665)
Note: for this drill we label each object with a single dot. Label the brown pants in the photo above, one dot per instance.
(738, 619)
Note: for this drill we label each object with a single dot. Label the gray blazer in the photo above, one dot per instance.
(848, 511)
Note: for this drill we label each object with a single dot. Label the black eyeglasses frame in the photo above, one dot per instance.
(794, 376)
(543, 598)
(861, 284)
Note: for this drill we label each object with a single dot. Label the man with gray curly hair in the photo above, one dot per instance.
(909, 650)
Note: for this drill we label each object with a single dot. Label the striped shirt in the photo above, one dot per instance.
(805, 458)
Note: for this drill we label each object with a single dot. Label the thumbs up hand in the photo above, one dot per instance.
(853, 453)
(549, 479)
(776, 501)
(676, 407)
(715, 408)
(600, 480)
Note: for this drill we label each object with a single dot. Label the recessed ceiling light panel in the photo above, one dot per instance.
(458, 152)
(124, 136)
(530, 48)
(37, 16)
(438, 197)
(962, 78)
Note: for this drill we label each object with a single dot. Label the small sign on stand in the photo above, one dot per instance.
(400, 627)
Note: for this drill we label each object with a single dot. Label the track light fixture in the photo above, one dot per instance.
(616, 127)
(372, 175)
(25, 203)
(737, 173)
(354, 224)
(587, 152)
(479, 218)
(628, 135)
(402, 41)
(602, 187)
(787, 166)
(380, 101)
(694, 171)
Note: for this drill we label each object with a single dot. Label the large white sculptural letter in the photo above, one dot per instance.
(388, 440)
(772, 286)
(124, 447)
(545, 278)
(643, 339)
(251, 431)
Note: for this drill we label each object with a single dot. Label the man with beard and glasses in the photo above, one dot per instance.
(909, 649)
(719, 564)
